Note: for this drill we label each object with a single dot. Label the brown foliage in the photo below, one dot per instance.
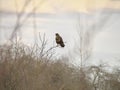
(22, 69)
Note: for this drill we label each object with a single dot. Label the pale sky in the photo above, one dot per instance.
(53, 6)
(61, 16)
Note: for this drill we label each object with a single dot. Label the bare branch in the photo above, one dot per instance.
(20, 23)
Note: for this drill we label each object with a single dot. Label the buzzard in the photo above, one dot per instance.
(59, 40)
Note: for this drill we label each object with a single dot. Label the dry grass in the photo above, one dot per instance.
(22, 69)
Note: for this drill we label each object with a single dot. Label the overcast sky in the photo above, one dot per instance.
(62, 16)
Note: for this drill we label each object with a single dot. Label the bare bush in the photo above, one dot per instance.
(22, 69)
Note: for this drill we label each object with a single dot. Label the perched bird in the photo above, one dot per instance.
(59, 40)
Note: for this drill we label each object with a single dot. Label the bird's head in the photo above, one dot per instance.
(56, 34)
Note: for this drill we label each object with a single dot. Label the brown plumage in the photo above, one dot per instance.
(59, 40)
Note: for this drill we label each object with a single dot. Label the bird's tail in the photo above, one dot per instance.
(62, 45)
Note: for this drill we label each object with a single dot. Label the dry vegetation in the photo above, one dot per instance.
(21, 68)
(33, 68)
